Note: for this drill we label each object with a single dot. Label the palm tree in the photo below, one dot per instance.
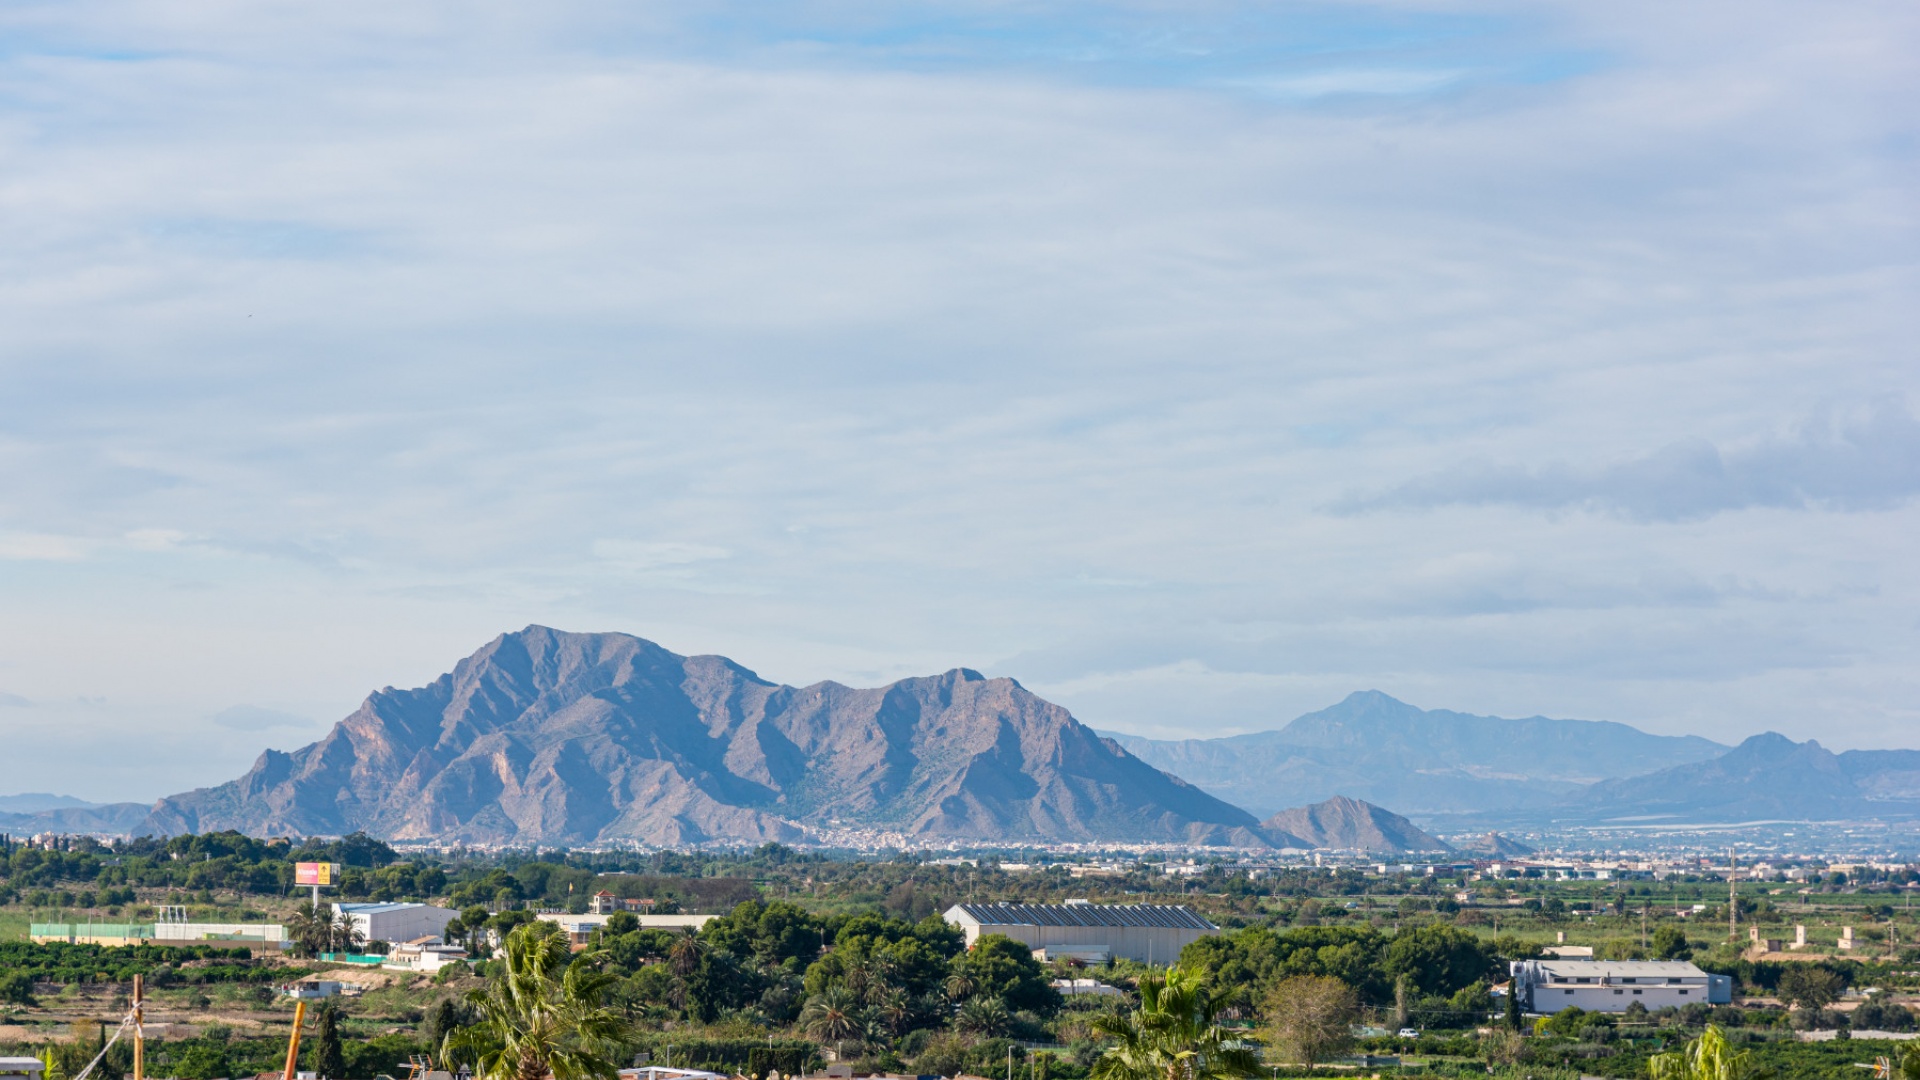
(343, 934)
(684, 956)
(540, 1016)
(959, 987)
(832, 1015)
(1171, 1036)
(1709, 1057)
(895, 1009)
(984, 1016)
(310, 928)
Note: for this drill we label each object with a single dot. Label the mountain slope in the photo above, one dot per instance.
(1354, 825)
(1768, 776)
(550, 737)
(1371, 746)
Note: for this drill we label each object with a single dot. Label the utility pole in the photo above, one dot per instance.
(139, 1037)
(1733, 897)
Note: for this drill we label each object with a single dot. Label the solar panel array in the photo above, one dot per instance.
(1172, 916)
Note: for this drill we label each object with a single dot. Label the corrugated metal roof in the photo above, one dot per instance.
(1673, 969)
(1170, 916)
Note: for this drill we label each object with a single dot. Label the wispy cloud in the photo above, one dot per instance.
(869, 340)
(1840, 461)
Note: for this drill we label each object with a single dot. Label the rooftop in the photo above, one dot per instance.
(1171, 916)
(1672, 969)
(375, 909)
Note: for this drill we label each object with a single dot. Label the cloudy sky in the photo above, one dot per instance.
(1195, 363)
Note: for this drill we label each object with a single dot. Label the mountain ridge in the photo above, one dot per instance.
(1374, 747)
(547, 737)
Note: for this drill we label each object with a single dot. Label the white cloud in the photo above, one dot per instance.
(333, 339)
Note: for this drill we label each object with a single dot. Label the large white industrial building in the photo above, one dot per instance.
(1547, 986)
(1149, 933)
(400, 922)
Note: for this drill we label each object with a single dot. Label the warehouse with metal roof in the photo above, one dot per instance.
(1149, 933)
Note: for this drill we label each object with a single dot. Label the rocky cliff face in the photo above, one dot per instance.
(550, 737)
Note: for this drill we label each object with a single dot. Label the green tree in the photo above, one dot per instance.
(1001, 967)
(1709, 1057)
(1311, 1016)
(1171, 1036)
(1439, 958)
(833, 1015)
(539, 1015)
(1811, 986)
(1670, 943)
(16, 988)
(328, 1058)
(1513, 1005)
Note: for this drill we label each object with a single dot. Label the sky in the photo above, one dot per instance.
(1195, 364)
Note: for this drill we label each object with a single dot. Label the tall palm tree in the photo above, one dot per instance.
(310, 928)
(832, 1015)
(1709, 1057)
(343, 934)
(958, 987)
(1171, 1036)
(541, 1016)
(685, 954)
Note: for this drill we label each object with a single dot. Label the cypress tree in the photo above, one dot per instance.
(329, 1060)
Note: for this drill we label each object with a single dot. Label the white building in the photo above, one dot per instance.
(578, 927)
(1150, 933)
(423, 956)
(1086, 988)
(1547, 986)
(400, 922)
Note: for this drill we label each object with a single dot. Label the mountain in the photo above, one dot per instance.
(108, 819)
(1422, 762)
(33, 802)
(1767, 777)
(1884, 775)
(1494, 845)
(545, 737)
(1352, 825)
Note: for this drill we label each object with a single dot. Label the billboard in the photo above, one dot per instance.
(316, 873)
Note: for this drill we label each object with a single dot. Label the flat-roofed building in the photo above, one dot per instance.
(1547, 986)
(399, 922)
(1149, 933)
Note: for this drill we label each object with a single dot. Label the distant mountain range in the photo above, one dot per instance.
(544, 737)
(1767, 777)
(26, 815)
(1420, 762)
(1458, 769)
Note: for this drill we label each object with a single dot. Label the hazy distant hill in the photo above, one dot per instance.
(1767, 777)
(1371, 746)
(117, 819)
(1494, 845)
(33, 802)
(1353, 825)
(550, 737)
